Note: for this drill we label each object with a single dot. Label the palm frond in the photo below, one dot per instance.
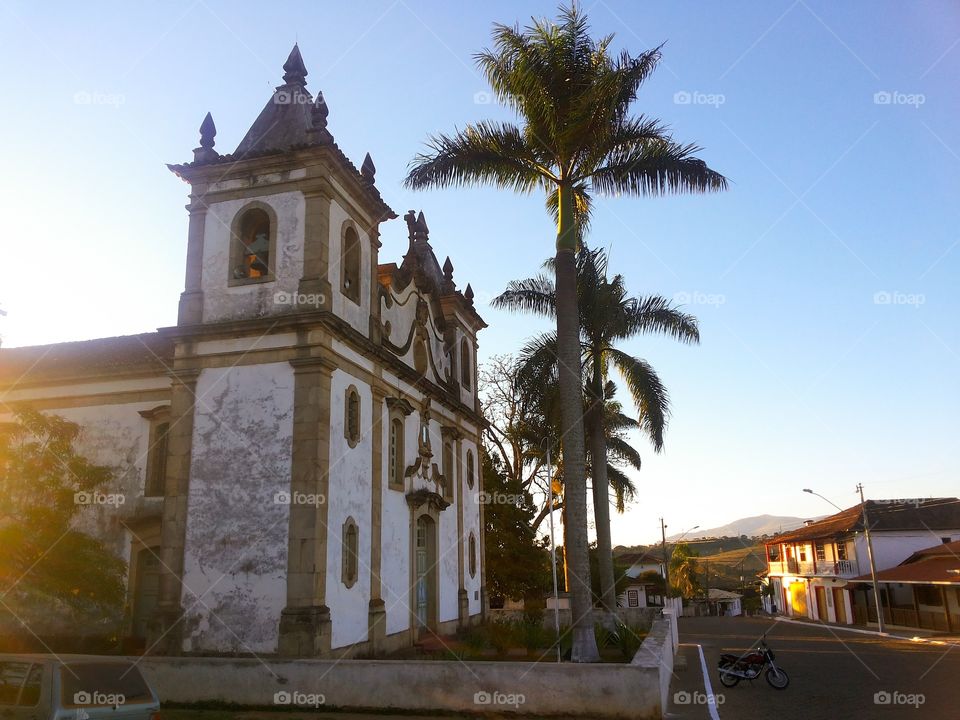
(535, 295)
(654, 313)
(658, 167)
(648, 393)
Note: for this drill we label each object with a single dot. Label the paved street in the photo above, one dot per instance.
(833, 673)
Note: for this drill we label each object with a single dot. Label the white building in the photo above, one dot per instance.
(299, 453)
(810, 569)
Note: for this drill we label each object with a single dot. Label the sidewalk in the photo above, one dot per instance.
(892, 631)
(689, 691)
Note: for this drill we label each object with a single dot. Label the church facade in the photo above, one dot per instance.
(297, 457)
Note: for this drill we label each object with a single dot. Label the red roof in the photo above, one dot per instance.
(938, 570)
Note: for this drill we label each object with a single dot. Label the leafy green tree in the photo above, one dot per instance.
(44, 560)
(608, 317)
(517, 562)
(573, 95)
(684, 567)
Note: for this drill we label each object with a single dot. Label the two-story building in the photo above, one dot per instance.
(811, 570)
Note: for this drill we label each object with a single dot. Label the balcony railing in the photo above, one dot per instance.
(835, 568)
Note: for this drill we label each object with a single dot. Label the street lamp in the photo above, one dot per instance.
(866, 532)
(808, 490)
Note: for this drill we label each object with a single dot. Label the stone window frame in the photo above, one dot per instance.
(353, 293)
(352, 435)
(350, 556)
(471, 469)
(398, 410)
(236, 245)
(472, 552)
(448, 465)
(154, 477)
(466, 365)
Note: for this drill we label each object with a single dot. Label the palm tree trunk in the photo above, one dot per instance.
(601, 512)
(571, 427)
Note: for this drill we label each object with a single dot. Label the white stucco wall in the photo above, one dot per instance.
(235, 560)
(892, 548)
(349, 496)
(395, 534)
(222, 302)
(402, 315)
(357, 315)
(471, 523)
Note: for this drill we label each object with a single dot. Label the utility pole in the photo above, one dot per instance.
(873, 566)
(706, 580)
(666, 560)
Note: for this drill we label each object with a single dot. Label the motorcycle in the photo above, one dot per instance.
(734, 668)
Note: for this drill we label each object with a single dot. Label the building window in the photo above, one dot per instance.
(158, 447)
(350, 264)
(928, 595)
(633, 598)
(351, 415)
(802, 554)
(773, 553)
(473, 555)
(396, 452)
(841, 551)
(466, 367)
(253, 246)
(351, 552)
(470, 471)
(821, 552)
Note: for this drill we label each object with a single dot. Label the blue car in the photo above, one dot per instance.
(38, 687)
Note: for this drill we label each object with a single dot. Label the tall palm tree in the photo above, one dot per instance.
(608, 316)
(576, 137)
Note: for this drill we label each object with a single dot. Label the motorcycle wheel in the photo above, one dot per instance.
(728, 680)
(777, 679)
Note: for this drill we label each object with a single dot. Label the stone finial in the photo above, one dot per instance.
(368, 170)
(468, 295)
(295, 72)
(208, 131)
(448, 284)
(421, 231)
(319, 111)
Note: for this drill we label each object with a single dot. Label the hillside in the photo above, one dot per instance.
(755, 526)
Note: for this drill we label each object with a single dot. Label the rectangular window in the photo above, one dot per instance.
(821, 551)
(803, 554)
(927, 595)
(157, 472)
(773, 553)
(841, 551)
(633, 598)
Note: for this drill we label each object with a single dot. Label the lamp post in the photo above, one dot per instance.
(808, 490)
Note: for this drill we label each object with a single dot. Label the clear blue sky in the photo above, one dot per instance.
(802, 378)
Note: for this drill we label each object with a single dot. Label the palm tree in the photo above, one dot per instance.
(607, 317)
(573, 96)
(683, 571)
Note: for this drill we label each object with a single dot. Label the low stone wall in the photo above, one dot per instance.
(656, 654)
(542, 689)
(632, 617)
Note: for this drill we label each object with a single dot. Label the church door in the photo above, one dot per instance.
(426, 582)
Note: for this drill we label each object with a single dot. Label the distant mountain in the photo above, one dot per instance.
(750, 526)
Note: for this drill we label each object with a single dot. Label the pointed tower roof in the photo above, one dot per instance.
(287, 119)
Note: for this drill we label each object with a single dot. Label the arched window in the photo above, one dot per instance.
(254, 241)
(466, 367)
(473, 555)
(350, 264)
(396, 452)
(351, 552)
(351, 422)
(470, 471)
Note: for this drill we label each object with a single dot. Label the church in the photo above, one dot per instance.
(299, 455)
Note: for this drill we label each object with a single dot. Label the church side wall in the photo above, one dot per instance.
(235, 558)
(349, 497)
(471, 523)
(343, 307)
